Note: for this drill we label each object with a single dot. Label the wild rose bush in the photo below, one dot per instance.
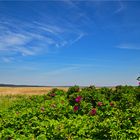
(89, 113)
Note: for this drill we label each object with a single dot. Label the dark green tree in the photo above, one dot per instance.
(138, 78)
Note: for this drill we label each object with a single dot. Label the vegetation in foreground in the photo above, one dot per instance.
(86, 114)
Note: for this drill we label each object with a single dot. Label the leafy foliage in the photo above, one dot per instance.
(73, 89)
(86, 114)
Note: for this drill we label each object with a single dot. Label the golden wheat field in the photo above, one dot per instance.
(26, 90)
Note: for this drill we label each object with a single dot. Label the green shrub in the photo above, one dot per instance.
(56, 91)
(90, 114)
(73, 89)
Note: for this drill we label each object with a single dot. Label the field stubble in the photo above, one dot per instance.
(27, 90)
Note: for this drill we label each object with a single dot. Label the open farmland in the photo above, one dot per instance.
(87, 114)
(26, 90)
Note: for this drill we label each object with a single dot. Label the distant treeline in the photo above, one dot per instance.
(12, 85)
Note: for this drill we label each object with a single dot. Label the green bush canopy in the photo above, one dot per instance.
(87, 114)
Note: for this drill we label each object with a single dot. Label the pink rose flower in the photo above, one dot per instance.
(100, 104)
(75, 108)
(78, 99)
(93, 112)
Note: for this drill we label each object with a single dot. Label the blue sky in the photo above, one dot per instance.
(70, 42)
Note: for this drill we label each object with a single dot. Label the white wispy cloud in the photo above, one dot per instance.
(71, 4)
(7, 59)
(41, 36)
(73, 67)
(35, 37)
(129, 46)
(61, 70)
(13, 42)
(12, 39)
(49, 28)
(78, 38)
(120, 8)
